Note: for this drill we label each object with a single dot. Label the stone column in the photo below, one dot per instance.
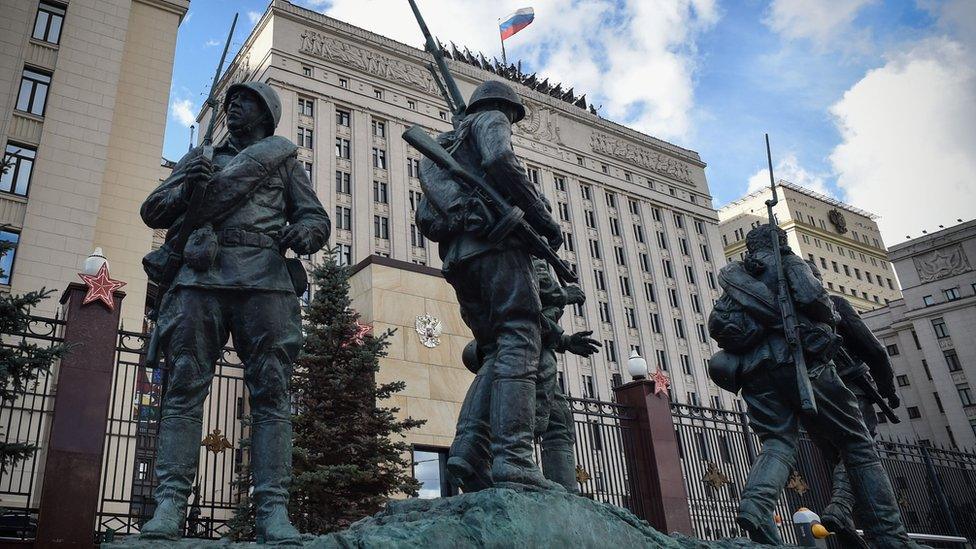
(69, 496)
(656, 487)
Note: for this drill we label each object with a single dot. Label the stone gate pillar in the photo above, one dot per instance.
(72, 474)
(655, 477)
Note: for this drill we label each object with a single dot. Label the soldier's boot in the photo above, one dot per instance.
(512, 431)
(469, 461)
(877, 508)
(766, 480)
(271, 466)
(559, 466)
(837, 516)
(176, 465)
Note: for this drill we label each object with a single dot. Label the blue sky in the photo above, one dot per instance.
(870, 101)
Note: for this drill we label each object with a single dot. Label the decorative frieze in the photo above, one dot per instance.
(539, 123)
(941, 263)
(640, 156)
(337, 51)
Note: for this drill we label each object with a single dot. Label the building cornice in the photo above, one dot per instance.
(178, 7)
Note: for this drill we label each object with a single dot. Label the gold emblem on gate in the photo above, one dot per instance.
(216, 442)
(582, 476)
(714, 476)
(797, 484)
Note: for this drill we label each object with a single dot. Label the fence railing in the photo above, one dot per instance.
(27, 419)
(936, 488)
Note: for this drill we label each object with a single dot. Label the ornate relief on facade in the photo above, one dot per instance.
(643, 157)
(941, 263)
(330, 49)
(539, 123)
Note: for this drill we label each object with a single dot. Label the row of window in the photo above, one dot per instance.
(950, 294)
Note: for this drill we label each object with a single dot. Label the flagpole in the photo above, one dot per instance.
(504, 58)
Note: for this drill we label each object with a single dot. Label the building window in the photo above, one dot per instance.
(689, 274)
(639, 233)
(533, 175)
(442, 114)
(951, 294)
(656, 323)
(702, 333)
(595, 249)
(925, 366)
(17, 178)
(625, 286)
(414, 197)
(902, 381)
(413, 167)
(585, 192)
(379, 128)
(668, 269)
(685, 364)
(649, 292)
(47, 26)
(965, 394)
(589, 389)
(10, 240)
(33, 92)
(343, 219)
(631, 317)
(308, 171)
(343, 254)
(381, 194)
(939, 325)
(696, 304)
(342, 118)
(621, 258)
(430, 470)
(579, 160)
(563, 211)
(560, 183)
(379, 158)
(411, 104)
(611, 200)
(928, 301)
(306, 106)
(662, 240)
(306, 70)
(342, 148)
(679, 328)
(662, 360)
(634, 206)
(377, 93)
(381, 227)
(605, 312)
(304, 137)
(589, 218)
(343, 182)
(611, 350)
(600, 280)
(952, 360)
(913, 412)
(568, 242)
(417, 239)
(344, 83)
(892, 349)
(645, 262)
(614, 226)
(679, 221)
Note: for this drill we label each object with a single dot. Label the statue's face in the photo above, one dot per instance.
(244, 110)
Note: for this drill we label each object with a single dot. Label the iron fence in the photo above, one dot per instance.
(128, 464)
(27, 419)
(936, 488)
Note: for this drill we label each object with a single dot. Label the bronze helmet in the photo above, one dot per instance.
(495, 91)
(268, 96)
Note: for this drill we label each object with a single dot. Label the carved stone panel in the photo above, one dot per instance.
(368, 61)
(942, 263)
(539, 123)
(640, 156)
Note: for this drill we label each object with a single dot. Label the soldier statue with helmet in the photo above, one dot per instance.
(491, 270)
(758, 359)
(232, 279)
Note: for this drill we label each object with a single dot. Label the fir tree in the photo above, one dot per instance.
(241, 525)
(350, 455)
(20, 361)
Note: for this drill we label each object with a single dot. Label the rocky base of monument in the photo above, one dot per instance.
(499, 517)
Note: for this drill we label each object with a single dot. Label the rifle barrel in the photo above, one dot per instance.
(208, 137)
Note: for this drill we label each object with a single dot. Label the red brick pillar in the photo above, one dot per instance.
(72, 474)
(655, 476)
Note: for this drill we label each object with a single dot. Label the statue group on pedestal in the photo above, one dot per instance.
(748, 324)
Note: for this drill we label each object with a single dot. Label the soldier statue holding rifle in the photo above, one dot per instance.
(489, 221)
(232, 211)
(776, 325)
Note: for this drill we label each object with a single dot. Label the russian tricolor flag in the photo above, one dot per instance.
(516, 22)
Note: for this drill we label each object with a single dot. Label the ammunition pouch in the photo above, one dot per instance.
(154, 264)
(201, 248)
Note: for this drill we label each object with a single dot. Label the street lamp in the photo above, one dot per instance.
(636, 365)
(94, 262)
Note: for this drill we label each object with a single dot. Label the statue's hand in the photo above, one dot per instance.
(581, 344)
(298, 237)
(893, 401)
(574, 295)
(199, 171)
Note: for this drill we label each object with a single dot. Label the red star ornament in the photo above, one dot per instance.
(661, 383)
(362, 330)
(101, 287)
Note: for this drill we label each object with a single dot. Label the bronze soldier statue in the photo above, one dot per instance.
(233, 279)
(756, 359)
(491, 271)
(553, 418)
(863, 364)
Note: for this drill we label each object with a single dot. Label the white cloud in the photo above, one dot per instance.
(825, 22)
(789, 168)
(253, 16)
(907, 139)
(211, 43)
(637, 58)
(183, 110)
